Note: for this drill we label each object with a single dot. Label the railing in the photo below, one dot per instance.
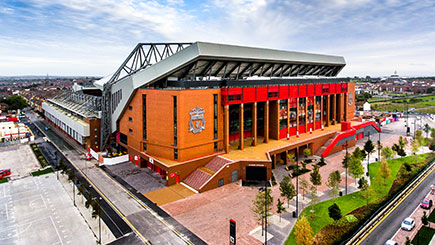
(336, 139)
(375, 218)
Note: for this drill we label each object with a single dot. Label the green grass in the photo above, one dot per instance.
(432, 217)
(43, 171)
(376, 98)
(348, 203)
(41, 159)
(426, 110)
(424, 236)
(3, 180)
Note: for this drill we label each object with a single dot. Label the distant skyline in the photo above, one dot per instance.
(92, 38)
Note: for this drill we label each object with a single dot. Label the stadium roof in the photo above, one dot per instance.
(154, 64)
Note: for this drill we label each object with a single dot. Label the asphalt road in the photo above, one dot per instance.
(146, 222)
(391, 223)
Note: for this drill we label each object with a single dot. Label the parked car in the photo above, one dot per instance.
(4, 172)
(407, 224)
(391, 242)
(426, 203)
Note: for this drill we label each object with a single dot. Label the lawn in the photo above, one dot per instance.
(43, 171)
(432, 217)
(426, 110)
(320, 218)
(3, 180)
(424, 236)
(389, 106)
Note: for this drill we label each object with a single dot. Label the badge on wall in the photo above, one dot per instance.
(197, 121)
(350, 101)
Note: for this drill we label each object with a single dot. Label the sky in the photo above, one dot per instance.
(93, 37)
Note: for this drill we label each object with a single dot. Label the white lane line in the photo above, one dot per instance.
(7, 214)
(45, 204)
(57, 232)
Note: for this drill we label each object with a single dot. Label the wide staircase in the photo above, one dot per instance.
(323, 148)
(202, 174)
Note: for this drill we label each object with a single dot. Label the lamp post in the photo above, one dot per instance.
(347, 165)
(297, 187)
(265, 212)
(379, 142)
(99, 218)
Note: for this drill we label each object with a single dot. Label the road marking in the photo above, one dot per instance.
(149, 210)
(57, 232)
(101, 194)
(400, 201)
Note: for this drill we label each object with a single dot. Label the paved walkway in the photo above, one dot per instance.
(149, 224)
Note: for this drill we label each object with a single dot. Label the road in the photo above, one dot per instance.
(389, 226)
(147, 224)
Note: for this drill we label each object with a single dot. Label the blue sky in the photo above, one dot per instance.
(93, 37)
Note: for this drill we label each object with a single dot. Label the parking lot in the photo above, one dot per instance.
(37, 210)
(20, 159)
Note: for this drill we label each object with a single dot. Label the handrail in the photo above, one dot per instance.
(385, 209)
(336, 139)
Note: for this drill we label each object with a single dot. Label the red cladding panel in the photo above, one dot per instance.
(311, 88)
(332, 88)
(338, 88)
(301, 129)
(318, 124)
(294, 91)
(273, 88)
(283, 92)
(261, 93)
(232, 91)
(249, 95)
(318, 89)
(224, 91)
(282, 133)
(310, 126)
(302, 91)
(292, 131)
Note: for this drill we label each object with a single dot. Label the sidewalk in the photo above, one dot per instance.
(401, 235)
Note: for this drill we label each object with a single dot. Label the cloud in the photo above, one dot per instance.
(97, 35)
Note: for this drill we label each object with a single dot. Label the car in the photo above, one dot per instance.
(426, 203)
(391, 242)
(408, 224)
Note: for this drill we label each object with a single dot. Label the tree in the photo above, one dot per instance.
(358, 153)
(322, 161)
(291, 158)
(304, 186)
(345, 164)
(313, 195)
(415, 146)
(307, 152)
(369, 148)
(356, 169)
(424, 219)
(432, 146)
(315, 177)
(402, 142)
(379, 146)
(334, 180)
(280, 208)
(432, 133)
(303, 232)
(258, 207)
(384, 171)
(15, 102)
(408, 241)
(363, 184)
(334, 212)
(426, 129)
(387, 153)
(419, 137)
(287, 189)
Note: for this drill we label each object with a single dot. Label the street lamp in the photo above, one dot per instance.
(347, 164)
(99, 217)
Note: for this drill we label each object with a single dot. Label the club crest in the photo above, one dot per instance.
(197, 121)
(350, 101)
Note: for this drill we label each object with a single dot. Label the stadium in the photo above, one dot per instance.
(205, 114)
